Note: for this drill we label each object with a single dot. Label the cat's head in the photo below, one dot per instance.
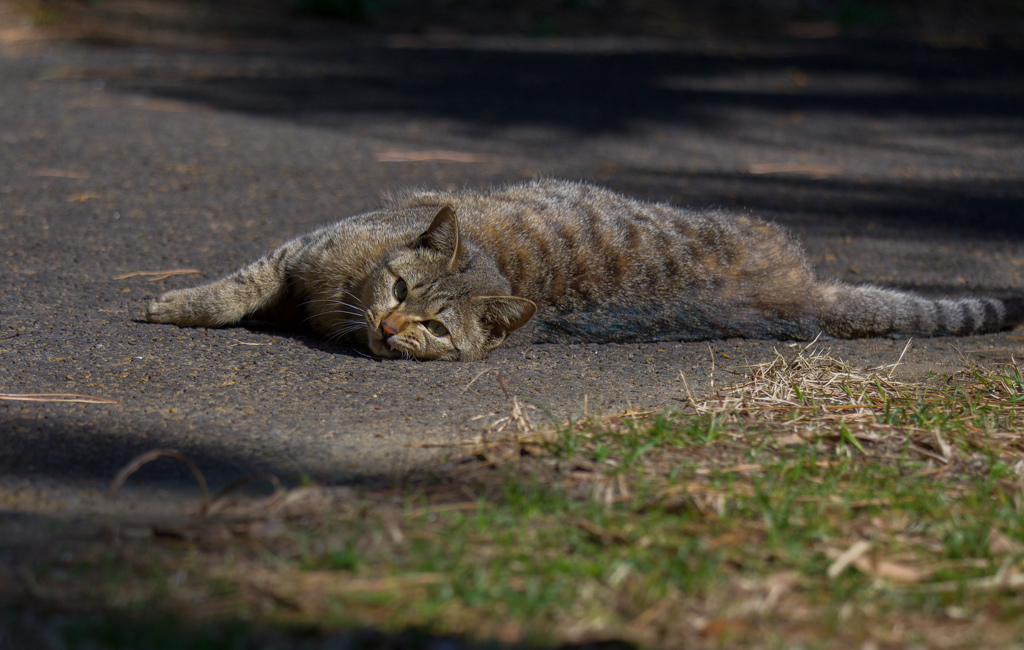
(438, 298)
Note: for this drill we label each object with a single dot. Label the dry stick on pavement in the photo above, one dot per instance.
(517, 416)
(478, 376)
(56, 397)
(815, 171)
(237, 483)
(158, 275)
(436, 155)
(150, 456)
(58, 173)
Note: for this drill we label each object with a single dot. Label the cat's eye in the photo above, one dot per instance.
(436, 328)
(401, 290)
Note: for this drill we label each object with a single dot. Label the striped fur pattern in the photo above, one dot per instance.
(452, 275)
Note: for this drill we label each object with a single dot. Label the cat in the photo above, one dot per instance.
(453, 275)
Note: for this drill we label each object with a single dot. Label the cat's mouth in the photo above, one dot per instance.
(383, 345)
(384, 342)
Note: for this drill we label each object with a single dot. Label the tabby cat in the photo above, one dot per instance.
(452, 275)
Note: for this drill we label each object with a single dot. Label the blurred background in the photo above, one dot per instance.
(979, 23)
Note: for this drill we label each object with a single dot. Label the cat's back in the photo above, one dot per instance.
(547, 223)
(558, 240)
(538, 204)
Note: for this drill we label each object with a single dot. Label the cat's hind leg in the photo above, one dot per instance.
(258, 286)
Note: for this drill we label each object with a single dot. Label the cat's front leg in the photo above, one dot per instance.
(209, 305)
(227, 301)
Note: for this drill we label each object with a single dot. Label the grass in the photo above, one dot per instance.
(808, 505)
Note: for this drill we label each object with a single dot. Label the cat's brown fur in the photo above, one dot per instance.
(451, 275)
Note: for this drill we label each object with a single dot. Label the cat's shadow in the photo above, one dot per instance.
(298, 333)
(307, 337)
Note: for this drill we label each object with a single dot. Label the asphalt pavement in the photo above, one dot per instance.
(896, 162)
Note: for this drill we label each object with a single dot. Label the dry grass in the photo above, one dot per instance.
(810, 503)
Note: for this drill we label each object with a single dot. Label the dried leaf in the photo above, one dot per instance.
(435, 155)
(848, 557)
(1000, 544)
(889, 570)
(601, 534)
(717, 628)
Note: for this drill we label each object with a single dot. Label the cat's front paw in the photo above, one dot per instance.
(178, 308)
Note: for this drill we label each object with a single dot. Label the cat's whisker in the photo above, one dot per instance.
(340, 332)
(337, 302)
(324, 313)
(342, 320)
(341, 311)
(348, 325)
(340, 302)
(361, 315)
(351, 310)
(357, 298)
(357, 308)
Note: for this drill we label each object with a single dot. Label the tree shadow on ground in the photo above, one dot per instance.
(40, 626)
(491, 90)
(589, 89)
(925, 211)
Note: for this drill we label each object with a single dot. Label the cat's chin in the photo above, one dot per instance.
(382, 349)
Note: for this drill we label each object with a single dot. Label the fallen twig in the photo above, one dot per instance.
(237, 483)
(58, 173)
(435, 155)
(155, 276)
(137, 462)
(56, 397)
(796, 168)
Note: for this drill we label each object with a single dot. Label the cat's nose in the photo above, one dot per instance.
(389, 329)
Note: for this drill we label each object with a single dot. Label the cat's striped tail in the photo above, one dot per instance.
(848, 311)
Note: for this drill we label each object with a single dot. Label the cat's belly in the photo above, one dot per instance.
(677, 322)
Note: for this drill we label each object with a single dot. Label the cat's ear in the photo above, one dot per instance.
(442, 235)
(502, 315)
